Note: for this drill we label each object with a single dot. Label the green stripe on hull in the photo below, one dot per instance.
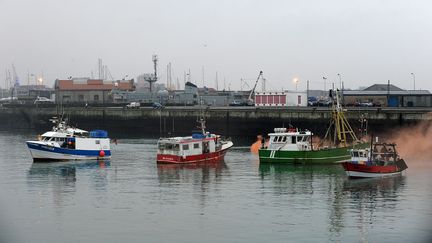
(324, 156)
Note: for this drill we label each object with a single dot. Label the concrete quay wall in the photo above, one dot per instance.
(230, 121)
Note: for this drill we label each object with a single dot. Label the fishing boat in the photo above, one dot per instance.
(380, 160)
(201, 146)
(293, 145)
(65, 142)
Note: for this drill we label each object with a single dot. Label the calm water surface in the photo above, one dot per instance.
(132, 199)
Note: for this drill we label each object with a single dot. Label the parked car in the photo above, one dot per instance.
(133, 105)
(43, 100)
(364, 104)
(312, 101)
(326, 102)
(157, 105)
(235, 103)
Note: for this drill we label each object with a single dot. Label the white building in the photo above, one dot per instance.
(284, 98)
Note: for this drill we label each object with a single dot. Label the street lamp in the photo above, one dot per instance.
(340, 80)
(296, 80)
(413, 75)
(325, 86)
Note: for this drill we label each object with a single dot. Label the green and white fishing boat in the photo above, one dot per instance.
(295, 146)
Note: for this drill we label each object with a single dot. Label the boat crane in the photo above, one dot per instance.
(250, 100)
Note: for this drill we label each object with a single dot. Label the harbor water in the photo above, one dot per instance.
(132, 199)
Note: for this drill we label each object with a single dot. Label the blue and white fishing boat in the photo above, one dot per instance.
(65, 142)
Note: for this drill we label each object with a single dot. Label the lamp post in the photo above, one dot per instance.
(413, 75)
(325, 86)
(296, 80)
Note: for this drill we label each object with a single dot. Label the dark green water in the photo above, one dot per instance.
(132, 199)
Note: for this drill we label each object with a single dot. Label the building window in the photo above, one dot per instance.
(96, 98)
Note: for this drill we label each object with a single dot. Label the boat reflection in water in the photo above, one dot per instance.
(59, 178)
(178, 173)
(351, 203)
(369, 199)
(196, 180)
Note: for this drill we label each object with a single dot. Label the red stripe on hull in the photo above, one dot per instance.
(209, 157)
(370, 168)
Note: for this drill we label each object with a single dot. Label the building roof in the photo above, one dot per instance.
(379, 93)
(93, 84)
(383, 87)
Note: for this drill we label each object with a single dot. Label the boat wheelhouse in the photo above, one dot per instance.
(290, 139)
(68, 143)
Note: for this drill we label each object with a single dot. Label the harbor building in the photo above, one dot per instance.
(387, 95)
(89, 91)
(284, 98)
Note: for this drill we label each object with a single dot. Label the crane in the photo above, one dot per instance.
(250, 100)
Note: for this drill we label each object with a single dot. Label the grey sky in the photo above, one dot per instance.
(367, 41)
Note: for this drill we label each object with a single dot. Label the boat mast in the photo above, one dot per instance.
(201, 119)
(339, 121)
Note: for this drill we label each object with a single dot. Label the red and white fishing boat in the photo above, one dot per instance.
(202, 146)
(380, 160)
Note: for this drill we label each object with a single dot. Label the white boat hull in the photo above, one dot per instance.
(42, 152)
(370, 175)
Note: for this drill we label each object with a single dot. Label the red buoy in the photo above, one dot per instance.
(101, 153)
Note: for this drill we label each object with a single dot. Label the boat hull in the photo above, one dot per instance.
(207, 157)
(368, 171)
(44, 153)
(323, 156)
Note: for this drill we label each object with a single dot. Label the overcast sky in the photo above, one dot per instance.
(366, 41)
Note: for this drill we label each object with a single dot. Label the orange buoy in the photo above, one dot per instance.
(101, 153)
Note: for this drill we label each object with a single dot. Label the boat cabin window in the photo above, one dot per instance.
(275, 139)
(355, 154)
(293, 139)
(284, 139)
(59, 139)
(196, 145)
(97, 141)
(185, 147)
(280, 139)
(299, 138)
(169, 146)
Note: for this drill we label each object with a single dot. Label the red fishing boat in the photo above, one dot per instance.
(202, 146)
(380, 160)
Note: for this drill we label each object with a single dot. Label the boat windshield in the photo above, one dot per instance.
(53, 139)
(168, 146)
